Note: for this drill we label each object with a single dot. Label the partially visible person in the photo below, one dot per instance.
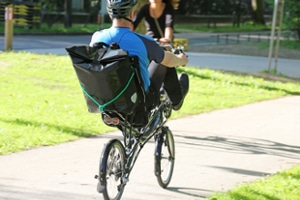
(159, 20)
(156, 65)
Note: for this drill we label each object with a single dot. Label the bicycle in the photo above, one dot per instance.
(118, 159)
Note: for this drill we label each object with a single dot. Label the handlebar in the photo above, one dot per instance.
(169, 47)
(176, 50)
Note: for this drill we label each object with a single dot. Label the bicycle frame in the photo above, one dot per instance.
(135, 139)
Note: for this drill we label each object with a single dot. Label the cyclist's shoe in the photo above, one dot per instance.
(184, 85)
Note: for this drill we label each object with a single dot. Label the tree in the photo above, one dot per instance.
(258, 11)
(68, 13)
(237, 13)
(292, 16)
(55, 6)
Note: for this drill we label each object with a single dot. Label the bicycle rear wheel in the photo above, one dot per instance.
(112, 169)
(164, 157)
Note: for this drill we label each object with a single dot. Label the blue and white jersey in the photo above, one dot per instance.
(136, 44)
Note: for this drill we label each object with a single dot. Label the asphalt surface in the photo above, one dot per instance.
(54, 44)
(215, 152)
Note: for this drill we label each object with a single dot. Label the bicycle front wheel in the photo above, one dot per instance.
(164, 157)
(112, 169)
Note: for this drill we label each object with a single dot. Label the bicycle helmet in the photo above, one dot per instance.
(119, 8)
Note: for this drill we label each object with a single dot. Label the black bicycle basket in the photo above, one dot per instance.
(107, 77)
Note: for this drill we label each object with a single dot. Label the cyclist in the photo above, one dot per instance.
(159, 20)
(156, 65)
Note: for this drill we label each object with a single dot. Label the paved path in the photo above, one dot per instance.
(56, 45)
(214, 152)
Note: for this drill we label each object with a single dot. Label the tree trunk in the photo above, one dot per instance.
(258, 11)
(68, 13)
(237, 14)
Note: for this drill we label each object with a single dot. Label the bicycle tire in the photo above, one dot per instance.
(165, 157)
(112, 167)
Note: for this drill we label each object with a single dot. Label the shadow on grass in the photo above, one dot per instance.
(64, 129)
(263, 86)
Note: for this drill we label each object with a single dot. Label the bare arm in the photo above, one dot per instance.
(172, 60)
(157, 54)
(169, 23)
(168, 36)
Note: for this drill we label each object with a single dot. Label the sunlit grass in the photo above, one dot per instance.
(42, 103)
(220, 28)
(91, 27)
(210, 90)
(289, 44)
(283, 185)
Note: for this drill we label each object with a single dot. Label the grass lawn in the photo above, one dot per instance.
(90, 28)
(281, 186)
(42, 103)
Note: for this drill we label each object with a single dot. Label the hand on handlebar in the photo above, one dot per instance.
(183, 57)
(164, 41)
(178, 51)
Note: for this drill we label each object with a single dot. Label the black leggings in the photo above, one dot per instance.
(167, 77)
(159, 76)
